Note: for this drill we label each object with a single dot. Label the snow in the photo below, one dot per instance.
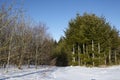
(61, 73)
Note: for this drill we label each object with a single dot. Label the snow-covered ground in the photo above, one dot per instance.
(61, 73)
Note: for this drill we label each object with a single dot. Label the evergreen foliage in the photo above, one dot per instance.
(95, 37)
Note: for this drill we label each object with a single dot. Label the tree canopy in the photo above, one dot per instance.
(89, 40)
(90, 31)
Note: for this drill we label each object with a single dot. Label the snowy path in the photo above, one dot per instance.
(62, 73)
(28, 74)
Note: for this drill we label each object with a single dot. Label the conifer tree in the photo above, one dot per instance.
(89, 27)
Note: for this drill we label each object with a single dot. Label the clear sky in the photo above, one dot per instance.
(57, 13)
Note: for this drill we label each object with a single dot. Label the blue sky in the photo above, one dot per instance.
(57, 13)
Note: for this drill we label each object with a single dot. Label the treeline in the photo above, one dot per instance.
(21, 41)
(90, 41)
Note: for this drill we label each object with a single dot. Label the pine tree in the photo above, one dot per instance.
(89, 27)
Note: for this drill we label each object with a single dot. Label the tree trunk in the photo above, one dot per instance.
(115, 57)
(110, 55)
(87, 52)
(99, 51)
(36, 56)
(73, 54)
(8, 60)
(9, 53)
(21, 60)
(79, 55)
(28, 63)
(105, 59)
(93, 56)
(84, 53)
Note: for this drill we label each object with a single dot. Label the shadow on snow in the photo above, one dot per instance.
(22, 75)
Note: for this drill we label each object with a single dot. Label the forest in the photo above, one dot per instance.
(89, 40)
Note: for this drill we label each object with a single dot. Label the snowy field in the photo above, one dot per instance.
(61, 73)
